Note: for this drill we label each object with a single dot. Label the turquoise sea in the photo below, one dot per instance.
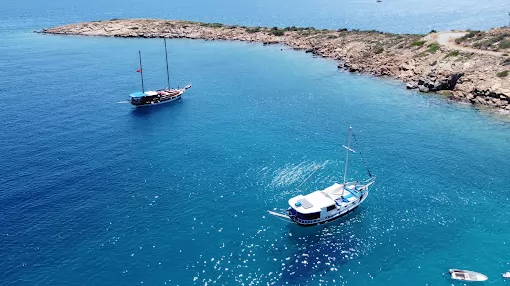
(94, 192)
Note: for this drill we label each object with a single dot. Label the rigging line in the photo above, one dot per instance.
(362, 158)
(316, 169)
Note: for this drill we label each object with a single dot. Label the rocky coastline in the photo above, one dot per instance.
(420, 61)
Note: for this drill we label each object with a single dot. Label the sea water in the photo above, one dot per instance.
(96, 192)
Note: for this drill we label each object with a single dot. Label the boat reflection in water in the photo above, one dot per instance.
(318, 251)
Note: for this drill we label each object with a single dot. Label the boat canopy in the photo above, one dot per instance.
(137, 94)
(140, 94)
(311, 203)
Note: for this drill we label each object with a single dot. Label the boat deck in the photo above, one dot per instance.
(333, 195)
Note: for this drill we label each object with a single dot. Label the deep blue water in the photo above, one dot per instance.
(95, 192)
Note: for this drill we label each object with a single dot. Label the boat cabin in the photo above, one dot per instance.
(142, 98)
(312, 208)
(155, 97)
(325, 205)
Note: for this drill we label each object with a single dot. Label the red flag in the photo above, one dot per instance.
(139, 70)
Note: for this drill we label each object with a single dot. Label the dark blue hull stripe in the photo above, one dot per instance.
(331, 219)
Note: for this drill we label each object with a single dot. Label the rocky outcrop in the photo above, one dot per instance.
(418, 61)
(434, 82)
(490, 98)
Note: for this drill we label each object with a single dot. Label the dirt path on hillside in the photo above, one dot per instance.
(448, 39)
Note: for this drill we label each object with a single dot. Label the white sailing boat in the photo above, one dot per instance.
(331, 203)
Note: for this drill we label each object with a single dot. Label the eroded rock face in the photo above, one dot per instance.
(488, 97)
(435, 82)
(468, 77)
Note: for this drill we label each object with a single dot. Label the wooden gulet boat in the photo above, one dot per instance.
(150, 98)
(331, 203)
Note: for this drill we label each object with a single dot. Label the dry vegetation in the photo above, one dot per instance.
(492, 40)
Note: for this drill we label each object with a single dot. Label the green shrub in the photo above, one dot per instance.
(452, 54)
(212, 25)
(331, 37)
(342, 30)
(477, 45)
(277, 32)
(504, 44)
(378, 50)
(469, 35)
(485, 44)
(434, 47)
(502, 74)
(432, 31)
(422, 54)
(418, 43)
(501, 37)
(252, 30)
(293, 28)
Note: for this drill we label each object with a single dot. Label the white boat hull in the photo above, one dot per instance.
(340, 214)
(466, 275)
(341, 209)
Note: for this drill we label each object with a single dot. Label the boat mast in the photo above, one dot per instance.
(141, 70)
(347, 158)
(167, 74)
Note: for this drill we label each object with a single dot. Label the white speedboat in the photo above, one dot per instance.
(506, 275)
(467, 275)
(331, 203)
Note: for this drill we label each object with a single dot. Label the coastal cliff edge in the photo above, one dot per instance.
(428, 63)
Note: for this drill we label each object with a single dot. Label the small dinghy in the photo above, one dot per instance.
(506, 275)
(467, 275)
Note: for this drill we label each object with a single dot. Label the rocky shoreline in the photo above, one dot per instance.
(418, 60)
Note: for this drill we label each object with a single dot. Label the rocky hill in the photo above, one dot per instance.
(418, 60)
(493, 40)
